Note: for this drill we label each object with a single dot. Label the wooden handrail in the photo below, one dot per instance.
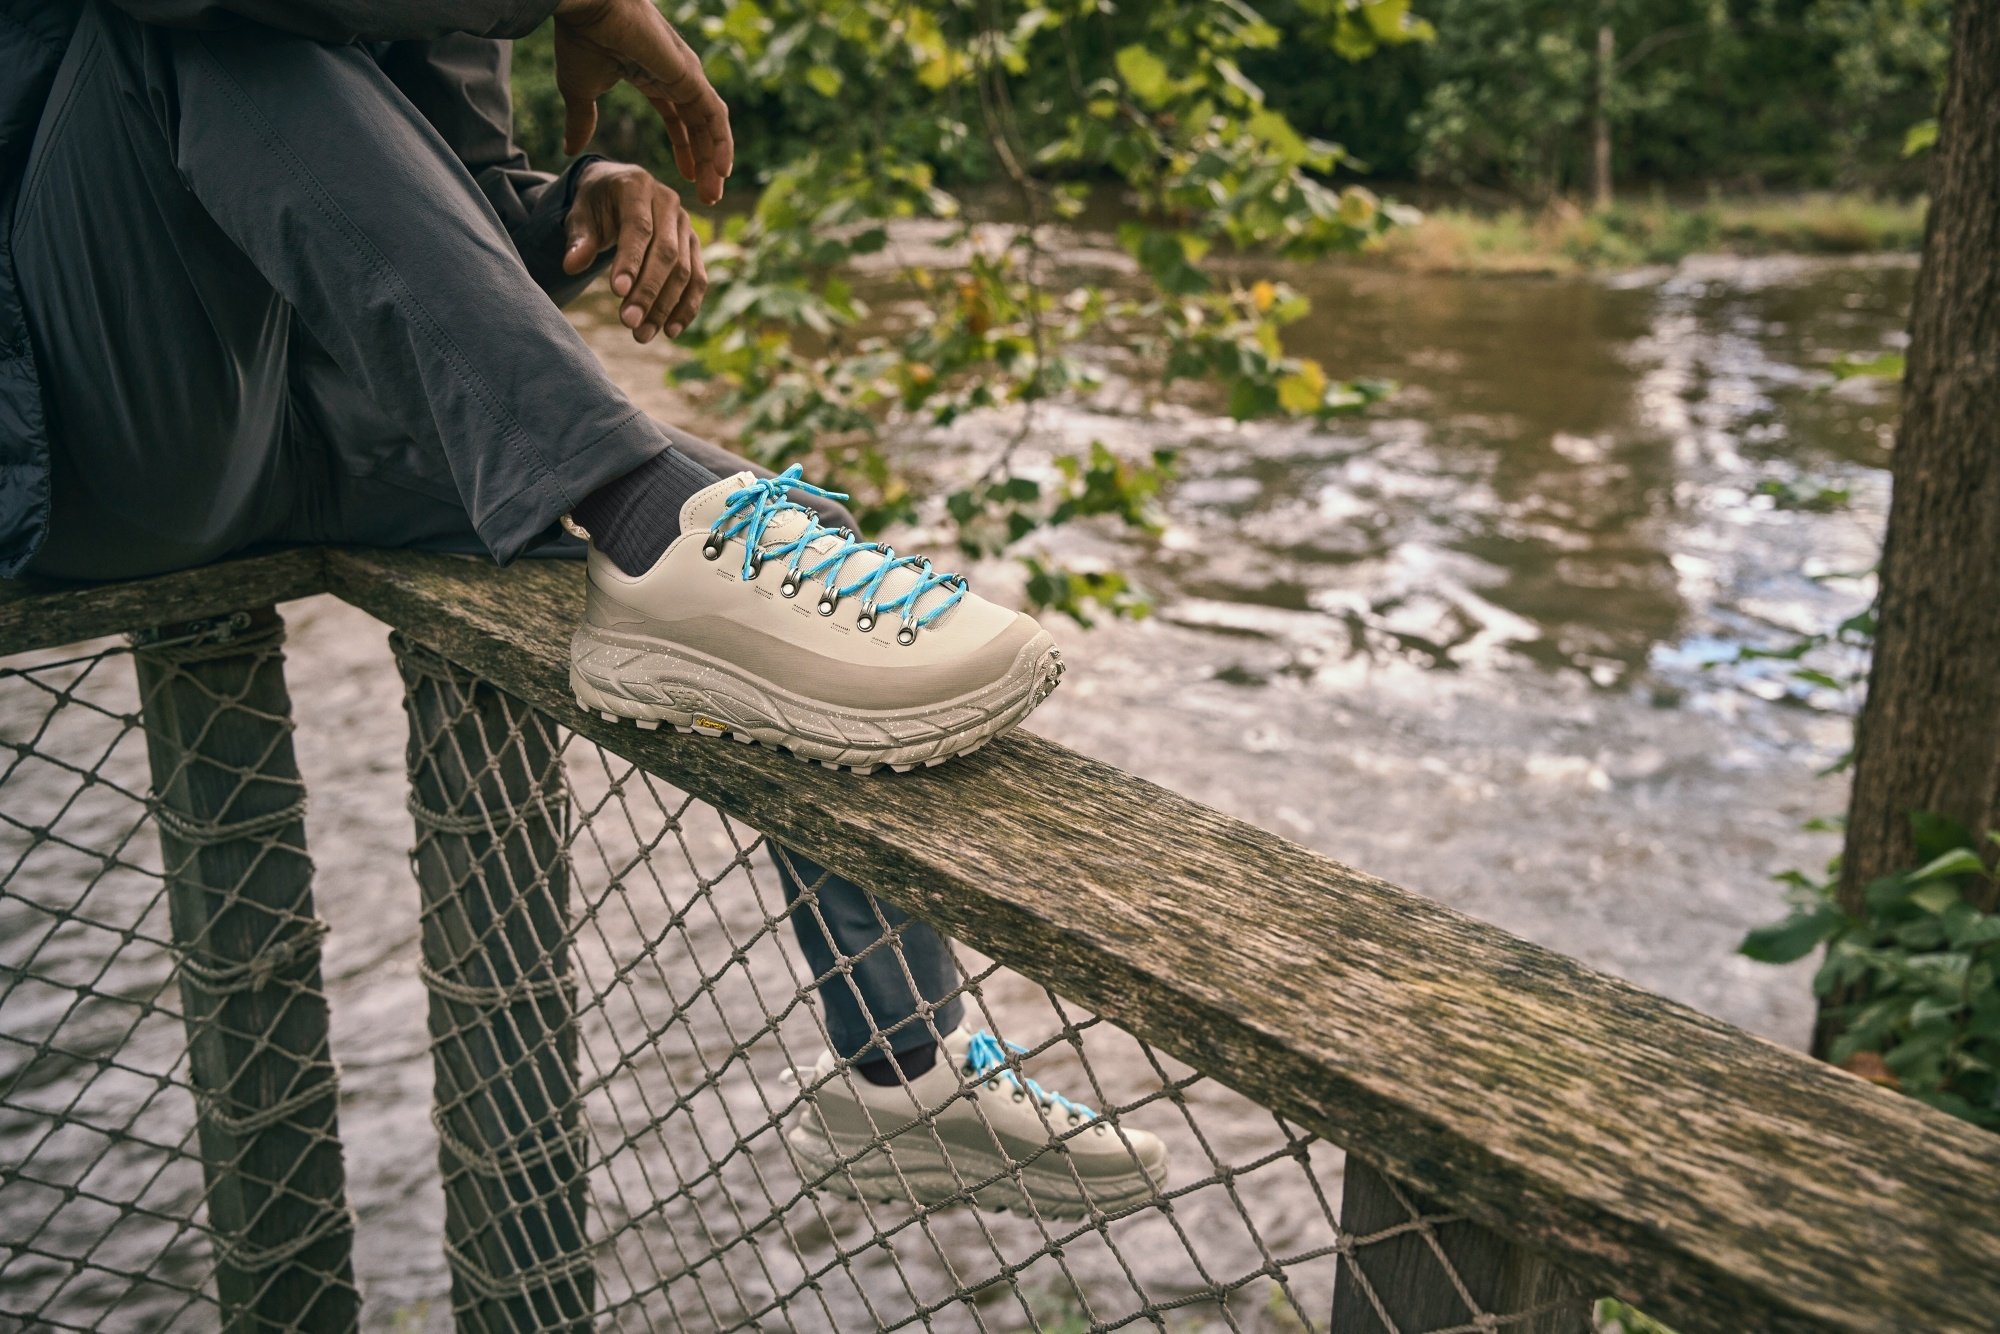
(1723, 1182)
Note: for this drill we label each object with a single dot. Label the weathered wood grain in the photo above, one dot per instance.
(1724, 1182)
(37, 613)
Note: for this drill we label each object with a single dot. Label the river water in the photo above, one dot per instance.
(1481, 642)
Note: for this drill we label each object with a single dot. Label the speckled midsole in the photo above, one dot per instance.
(650, 680)
(920, 1169)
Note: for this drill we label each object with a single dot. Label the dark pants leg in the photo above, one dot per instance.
(884, 979)
(271, 306)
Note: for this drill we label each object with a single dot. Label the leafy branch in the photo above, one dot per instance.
(827, 348)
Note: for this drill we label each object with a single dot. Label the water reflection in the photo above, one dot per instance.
(1569, 477)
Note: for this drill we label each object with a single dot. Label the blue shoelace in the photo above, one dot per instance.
(750, 511)
(986, 1059)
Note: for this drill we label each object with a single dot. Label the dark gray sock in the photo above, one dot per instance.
(889, 1071)
(633, 518)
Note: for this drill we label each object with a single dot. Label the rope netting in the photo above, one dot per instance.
(678, 1074)
(167, 1098)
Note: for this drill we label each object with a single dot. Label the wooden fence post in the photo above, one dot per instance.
(492, 808)
(230, 808)
(1422, 1277)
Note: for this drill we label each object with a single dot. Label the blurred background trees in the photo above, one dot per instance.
(1730, 94)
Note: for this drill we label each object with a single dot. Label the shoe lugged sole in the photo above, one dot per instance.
(921, 1174)
(649, 682)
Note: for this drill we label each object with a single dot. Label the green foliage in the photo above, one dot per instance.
(1882, 366)
(1924, 957)
(1742, 93)
(827, 345)
(1611, 1316)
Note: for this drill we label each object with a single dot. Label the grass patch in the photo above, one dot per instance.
(1563, 238)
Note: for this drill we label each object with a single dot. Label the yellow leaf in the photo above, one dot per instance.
(1263, 295)
(1301, 392)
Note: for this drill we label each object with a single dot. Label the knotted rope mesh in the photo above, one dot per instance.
(627, 1044)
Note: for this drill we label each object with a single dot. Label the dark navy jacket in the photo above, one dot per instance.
(35, 33)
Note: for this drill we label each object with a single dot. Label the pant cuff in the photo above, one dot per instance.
(527, 517)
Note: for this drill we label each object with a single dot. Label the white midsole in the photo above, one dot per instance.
(638, 677)
(921, 1173)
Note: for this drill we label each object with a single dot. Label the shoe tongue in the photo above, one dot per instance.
(705, 506)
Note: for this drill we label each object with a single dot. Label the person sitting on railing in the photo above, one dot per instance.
(278, 274)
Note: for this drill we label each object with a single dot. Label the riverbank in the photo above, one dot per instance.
(1562, 238)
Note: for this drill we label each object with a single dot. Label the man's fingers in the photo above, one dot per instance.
(579, 122)
(677, 133)
(696, 113)
(662, 254)
(683, 312)
(713, 113)
(668, 311)
(580, 243)
(636, 228)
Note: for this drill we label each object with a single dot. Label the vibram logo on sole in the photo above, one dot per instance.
(710, 725)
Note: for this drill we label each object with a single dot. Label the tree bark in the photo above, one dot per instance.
(1929, 735)
(1600, 119)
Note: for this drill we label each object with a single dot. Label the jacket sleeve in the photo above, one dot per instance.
(460, 85)
(347, 20)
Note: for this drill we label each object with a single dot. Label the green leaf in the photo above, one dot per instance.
(1886, 366)
(1145, 74)
(1934, 898)
(1272, 127)
(744, 22)
(1791, 939)
(825, 80)
(1959, 861)
(1921, 137)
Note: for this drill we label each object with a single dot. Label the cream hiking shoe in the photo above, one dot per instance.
(761, 623)
(995, 1137)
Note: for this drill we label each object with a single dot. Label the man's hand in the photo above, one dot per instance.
(598, 43)
(658, 271)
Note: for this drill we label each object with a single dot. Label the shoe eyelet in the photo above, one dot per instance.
(992, 1086)
(1020, 1096)
(790, 588)
(711, 549)
(753, 568)
(826, 605)
(907, 635)
(865, 622)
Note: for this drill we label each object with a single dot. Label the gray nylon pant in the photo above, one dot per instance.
(270, 305)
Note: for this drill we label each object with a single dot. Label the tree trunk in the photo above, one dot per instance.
(1929, 736)
(1600, 119)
